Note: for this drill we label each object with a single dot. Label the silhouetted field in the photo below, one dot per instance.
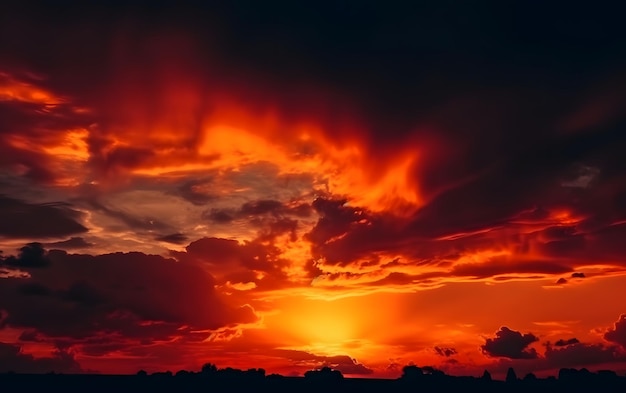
(325, 380)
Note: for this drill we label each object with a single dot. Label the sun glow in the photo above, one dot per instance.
(321, 325)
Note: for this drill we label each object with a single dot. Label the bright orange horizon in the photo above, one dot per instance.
(183, 186)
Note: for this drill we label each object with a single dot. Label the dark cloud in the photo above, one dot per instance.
(82, 293)
(29, 336)
(335, 219)
(174, 238)
(434, 90)
(199, 192)
(32, 255)
(445, 351)
(276, 227)
(617, 333)
(570, 356)
(132, 295)
(580, 355)
(562, 343)
(344, 234)
(272, 216)
(121, 157)
(127, 218)
(343, 363)
(302, 210)
(20, 219)
(34, 289)
(233, 261)
(347, 365)
(564, 353)
(101, 346)
(13, 359)
(215, 249)
(510, 344)
(260, 207)
(494, 268)
(220, 216)
(71, 243)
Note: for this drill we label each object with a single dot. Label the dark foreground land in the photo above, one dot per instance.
(326, 381)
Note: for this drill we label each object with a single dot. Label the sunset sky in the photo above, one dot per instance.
(290, 185)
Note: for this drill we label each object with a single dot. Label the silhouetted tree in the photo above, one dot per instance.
(255, 373)
(230, 373)
(325, 380)
(607, 374)
(411, 372)
(326, 374)
(566, 374)
(510, 375)
(208, 369)
(430, 370)
(530, 377)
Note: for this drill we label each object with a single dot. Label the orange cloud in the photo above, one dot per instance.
(13, 89)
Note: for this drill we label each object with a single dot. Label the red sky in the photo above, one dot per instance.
(291, 186)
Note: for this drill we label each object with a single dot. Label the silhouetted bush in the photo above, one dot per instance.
(208, 369)
(510, 375)
(411, 373)
(325, 375)
(530, 377)
(424, 379)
